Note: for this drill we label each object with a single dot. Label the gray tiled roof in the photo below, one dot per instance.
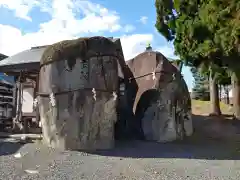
(27, 56)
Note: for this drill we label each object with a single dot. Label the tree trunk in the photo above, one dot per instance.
(236, 94)
(227, 101)
(214, 95)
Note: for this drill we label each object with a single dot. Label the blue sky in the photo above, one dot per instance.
(27, 23)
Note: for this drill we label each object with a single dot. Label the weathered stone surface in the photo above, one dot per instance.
(162, 105)
(78, 94)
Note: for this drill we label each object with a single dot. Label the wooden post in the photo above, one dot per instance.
(25, 124)
(15, 90)
(36, 96)
(18, 117)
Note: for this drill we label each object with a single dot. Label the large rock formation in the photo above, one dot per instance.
(88, 96)
(162, 105)
(78, 87)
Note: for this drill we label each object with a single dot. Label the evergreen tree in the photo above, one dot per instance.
(205, 32)
(201, 86)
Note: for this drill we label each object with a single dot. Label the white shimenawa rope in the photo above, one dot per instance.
(52, 100)
(114, 96)
(153, 75)
(174, 76)
(35, 102)
(94, 94)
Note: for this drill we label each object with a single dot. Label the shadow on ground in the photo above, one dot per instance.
(9, 146)
(180, 151)
(214, 138)
(224, 128)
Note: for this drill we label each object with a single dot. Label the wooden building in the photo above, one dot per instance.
(6, 99)
(24, 66)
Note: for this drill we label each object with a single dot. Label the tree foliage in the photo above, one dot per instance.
(204, 31)
(223, 17)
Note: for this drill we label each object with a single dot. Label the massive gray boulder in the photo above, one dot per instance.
(162, 105)
(78, 84)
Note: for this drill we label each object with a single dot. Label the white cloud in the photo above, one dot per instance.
(65, 15)
(20, 7)
(10, 40)
(69, 19)
(134, 44)
(143, 19)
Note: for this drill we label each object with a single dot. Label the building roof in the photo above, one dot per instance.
(22, 59)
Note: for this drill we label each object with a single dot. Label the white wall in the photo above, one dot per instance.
(28, 97)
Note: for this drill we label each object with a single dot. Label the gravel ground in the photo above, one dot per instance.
(135, 160)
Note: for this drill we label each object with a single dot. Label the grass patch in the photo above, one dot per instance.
(204, 107)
